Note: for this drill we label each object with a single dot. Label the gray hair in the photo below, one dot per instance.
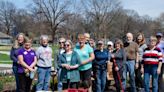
(44, 37)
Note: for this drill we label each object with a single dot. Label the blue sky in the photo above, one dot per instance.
(153, 8)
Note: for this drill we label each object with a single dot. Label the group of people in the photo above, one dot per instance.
(75, 64)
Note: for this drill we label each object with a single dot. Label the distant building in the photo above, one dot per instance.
(5, 39)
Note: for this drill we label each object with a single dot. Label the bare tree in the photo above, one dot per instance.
(102, 13)
(7, 10)
(53, 12)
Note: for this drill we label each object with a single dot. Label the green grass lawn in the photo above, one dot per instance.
(4, 57)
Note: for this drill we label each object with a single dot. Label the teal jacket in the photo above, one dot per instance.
(75, 75)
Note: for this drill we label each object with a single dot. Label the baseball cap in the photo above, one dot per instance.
(100, 42)
(159, 34)
(110, 43)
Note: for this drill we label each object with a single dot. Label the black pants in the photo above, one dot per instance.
(25, 82)
(160, 80)
(85, 77)
(138, 77)
(70, 85)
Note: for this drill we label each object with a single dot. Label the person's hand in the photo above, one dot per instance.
(158, 70)
(67, 66)
(26, 70)
(31, 69)
(142, 70)
(73, 67)
(137, 65)
(112, 55)
(83, 63)
(116, 68)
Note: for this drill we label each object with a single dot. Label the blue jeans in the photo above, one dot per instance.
(44, 75)
(60, 84)
(100, 80)
(15, 71)
(129, 67)
(151, 70)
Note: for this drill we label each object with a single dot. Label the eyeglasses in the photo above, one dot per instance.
(61, 42)
(100, 44)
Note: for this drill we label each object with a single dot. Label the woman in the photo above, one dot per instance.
(86, 55)
(100, 66)
(119, 59)
(69, 62)
(18, 43)
(57, 68)
(110, 46)
(140, 40)
(152, 62)
(27, 60)
(44, 55)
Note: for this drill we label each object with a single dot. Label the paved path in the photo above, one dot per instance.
(5, 52)
(5, 65)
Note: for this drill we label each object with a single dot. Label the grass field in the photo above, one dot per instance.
(5, 59)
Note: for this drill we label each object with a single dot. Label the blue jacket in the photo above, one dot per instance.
(14, 55)
(75, 75)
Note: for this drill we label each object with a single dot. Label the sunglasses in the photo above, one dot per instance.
(100, 44)
(61, 42)
(66, 45)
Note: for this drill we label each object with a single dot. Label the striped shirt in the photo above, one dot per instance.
(152, 56)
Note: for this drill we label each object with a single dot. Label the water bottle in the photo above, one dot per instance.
(32, 75)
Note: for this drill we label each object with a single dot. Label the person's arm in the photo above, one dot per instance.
(34, 63)
(160, 61)
(12, 55)
(56, 60)
(90, 59)
(137, 57)
(78, 61)
(21, 61)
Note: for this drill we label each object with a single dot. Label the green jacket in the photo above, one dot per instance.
(75, 75)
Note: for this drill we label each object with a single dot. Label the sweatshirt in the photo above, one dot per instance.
(44, 55)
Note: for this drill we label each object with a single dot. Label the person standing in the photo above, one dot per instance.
(140, 40)
(57, 68)
(151, 65)
(160, 44)
(86, 55)
(44, 64)
(18, 43)
(110, 46)
(69, 62)
(100, 66)
(87, 38)
(131, 49)
(119, 55)
(27, 60)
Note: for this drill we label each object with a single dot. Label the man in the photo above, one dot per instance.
(87, 38)
(131, 49)
(160, 44)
